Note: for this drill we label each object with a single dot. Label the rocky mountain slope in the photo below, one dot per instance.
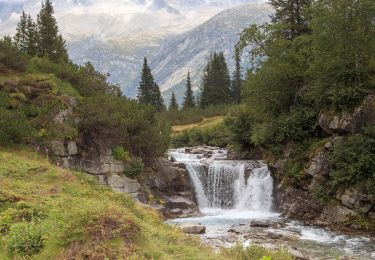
(115, 35)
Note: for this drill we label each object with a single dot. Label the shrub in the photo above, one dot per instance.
(14, 127)
(215, 136)
(125, 123)
(25, 239)
(11, 57)
(255, 252)
(353, 162)
(134, 167)
(239, 123)
(120, 154)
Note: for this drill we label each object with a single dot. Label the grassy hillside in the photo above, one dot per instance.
(205, 123)
(50, 213)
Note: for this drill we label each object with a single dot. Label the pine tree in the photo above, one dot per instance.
(215, 87)
(189, 97)
(173, 105)
(146, 85)
(157, 99)
(31, 32)
(149, 91)
(292, 14)
(21, 37)
(237, 78)
(50, 43)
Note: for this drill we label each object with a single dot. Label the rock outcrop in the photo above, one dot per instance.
(172, 192)
(193, 228)
(349, 122)
(312, 199)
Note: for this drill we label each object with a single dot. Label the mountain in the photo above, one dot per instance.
(170, 56)
(115, 35)
(190, 51)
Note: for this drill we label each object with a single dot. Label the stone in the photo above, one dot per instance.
(260, 224)
(349, 122)
(72, 148)
(58, 148)
(353, 199)
(272, 235)
(120, 184)
(319, 164)
(179, 202)
(234, 231)
(193, 228)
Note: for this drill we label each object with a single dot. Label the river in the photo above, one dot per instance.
(237, 205)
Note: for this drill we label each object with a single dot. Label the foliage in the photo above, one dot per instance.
(124, 123)
(120, 154)
(148, 91)
(11, 58)
(343, 69)
(255, 252)
(239, 122)
(193, 115)
(353, 162)
(134, 167)
(81, 218)
(49, 43)
(25, 239)
(189, 101)
(215, 87)
(173, 105)
(237, 78)
(14, 127)
(85, 79)
(214, 136)
(292, 14)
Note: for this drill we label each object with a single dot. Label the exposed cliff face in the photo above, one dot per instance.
(164, 186)
(349, 122)
(313, 199)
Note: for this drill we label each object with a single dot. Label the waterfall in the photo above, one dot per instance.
(224, 184)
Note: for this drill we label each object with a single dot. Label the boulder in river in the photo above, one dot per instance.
(191, 228)
(260, 224)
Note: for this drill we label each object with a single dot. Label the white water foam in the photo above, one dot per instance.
(223, 185)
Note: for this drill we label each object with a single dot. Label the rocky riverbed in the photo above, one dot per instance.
(237, 201)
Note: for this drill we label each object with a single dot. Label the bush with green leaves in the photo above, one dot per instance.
(14, 127)
(25, 239)
(353, 162)
(215, 136)
(124, 123)
(11, 57)
(134, 167)
(120, 154)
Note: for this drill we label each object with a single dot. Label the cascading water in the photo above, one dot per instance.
(232, 193)
(221, 184)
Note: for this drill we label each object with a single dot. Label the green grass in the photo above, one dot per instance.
(50, 213)
(206, 123)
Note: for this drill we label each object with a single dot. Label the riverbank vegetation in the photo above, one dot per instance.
(50, 213)
(312, 58)
(44, 97)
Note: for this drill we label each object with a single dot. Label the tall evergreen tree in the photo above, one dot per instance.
(146, 85)
(21, 37)
(50, 43)
(149, 91)
(173, 105)
(31, 32)
(215, 87)
(292, 14)
(157, 99)
(237, 78)
(189, 101)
